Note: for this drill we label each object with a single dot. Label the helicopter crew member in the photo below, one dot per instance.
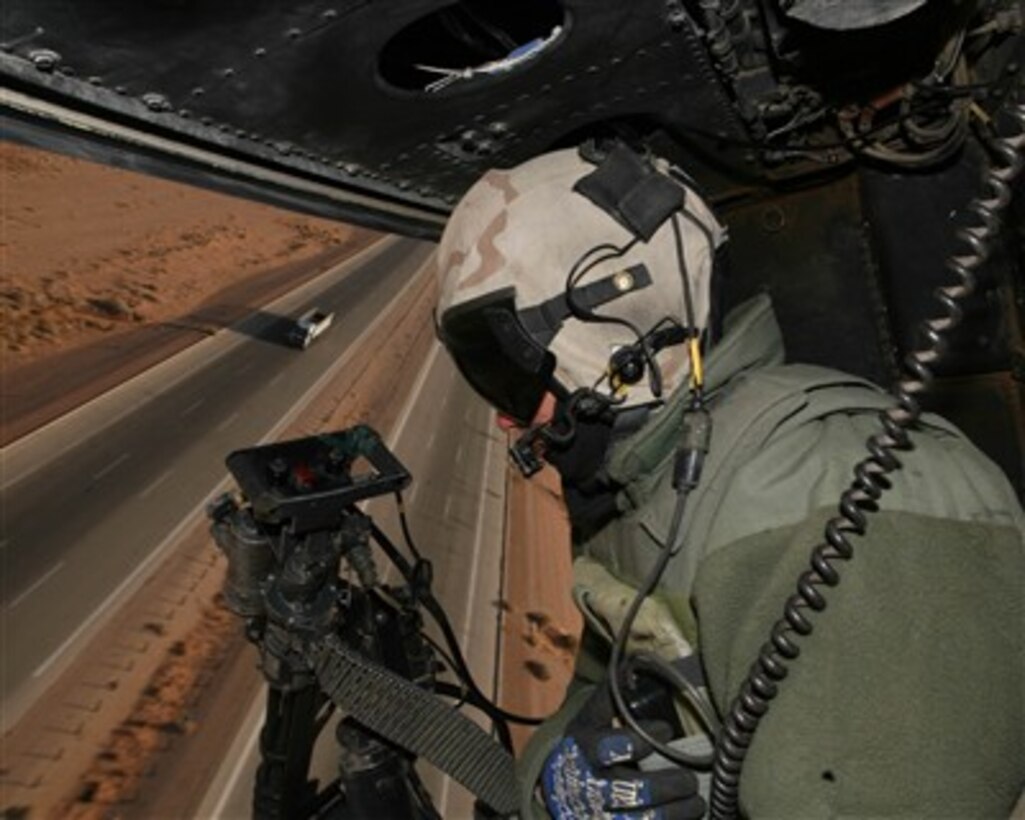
(579, 298)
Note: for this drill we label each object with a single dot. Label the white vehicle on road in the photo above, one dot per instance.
(309, 326)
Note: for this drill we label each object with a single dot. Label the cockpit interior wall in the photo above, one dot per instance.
(840, 141)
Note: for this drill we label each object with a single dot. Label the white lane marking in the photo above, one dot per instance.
(108, 602)
(459, 454)
(194, 406)
(474, 566)
(228, 421)
(248, 750)
(477, 538)
(414, 393)
(160, 479)
(46, 576)
(121, 459)
(448, 507)
(276, 379)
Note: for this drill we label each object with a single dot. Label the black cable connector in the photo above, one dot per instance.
(690, 455)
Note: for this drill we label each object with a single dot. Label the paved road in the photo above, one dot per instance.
(448, 441)
(77, 525)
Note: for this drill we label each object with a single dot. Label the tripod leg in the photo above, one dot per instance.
(377, 781)
(283, 790)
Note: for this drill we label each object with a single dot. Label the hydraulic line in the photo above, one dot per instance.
(761, 685)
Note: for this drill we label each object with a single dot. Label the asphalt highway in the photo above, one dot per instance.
(88, 502)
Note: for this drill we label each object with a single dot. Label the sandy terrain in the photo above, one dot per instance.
(89, 250)
(94, 258)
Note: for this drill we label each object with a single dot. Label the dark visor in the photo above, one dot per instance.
(496, 354)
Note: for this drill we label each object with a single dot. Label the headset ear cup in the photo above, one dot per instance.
(626, 365)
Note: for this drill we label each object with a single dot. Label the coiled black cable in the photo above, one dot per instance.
(783, 646)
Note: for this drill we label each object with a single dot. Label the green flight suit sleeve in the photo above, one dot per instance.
(908, 700)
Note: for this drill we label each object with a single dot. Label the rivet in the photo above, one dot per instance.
(623, 281)
(207, 120)
(228, 73)
(94, 80)
(498, 128)
(329, 14)
(404, 184)
(44, 59)
(198, 91)
(352, 168)
(184, 113)
(260, 52)
(156, 102)
(293, 34)
(66, 71)
(240, 134)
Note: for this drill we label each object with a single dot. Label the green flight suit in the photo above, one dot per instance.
(909, 698)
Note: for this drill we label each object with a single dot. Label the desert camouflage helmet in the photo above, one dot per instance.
(526, 227)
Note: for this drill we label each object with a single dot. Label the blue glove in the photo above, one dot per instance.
(592, 773)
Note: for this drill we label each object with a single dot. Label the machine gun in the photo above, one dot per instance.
(333, 636)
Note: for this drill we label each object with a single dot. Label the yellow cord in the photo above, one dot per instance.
(697, 367)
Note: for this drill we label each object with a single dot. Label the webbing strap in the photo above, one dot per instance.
(418, 721)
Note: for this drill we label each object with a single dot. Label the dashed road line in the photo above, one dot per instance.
(46, 576)
(228, 421)
(121, 459)
(192, 407)
(155, 483)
